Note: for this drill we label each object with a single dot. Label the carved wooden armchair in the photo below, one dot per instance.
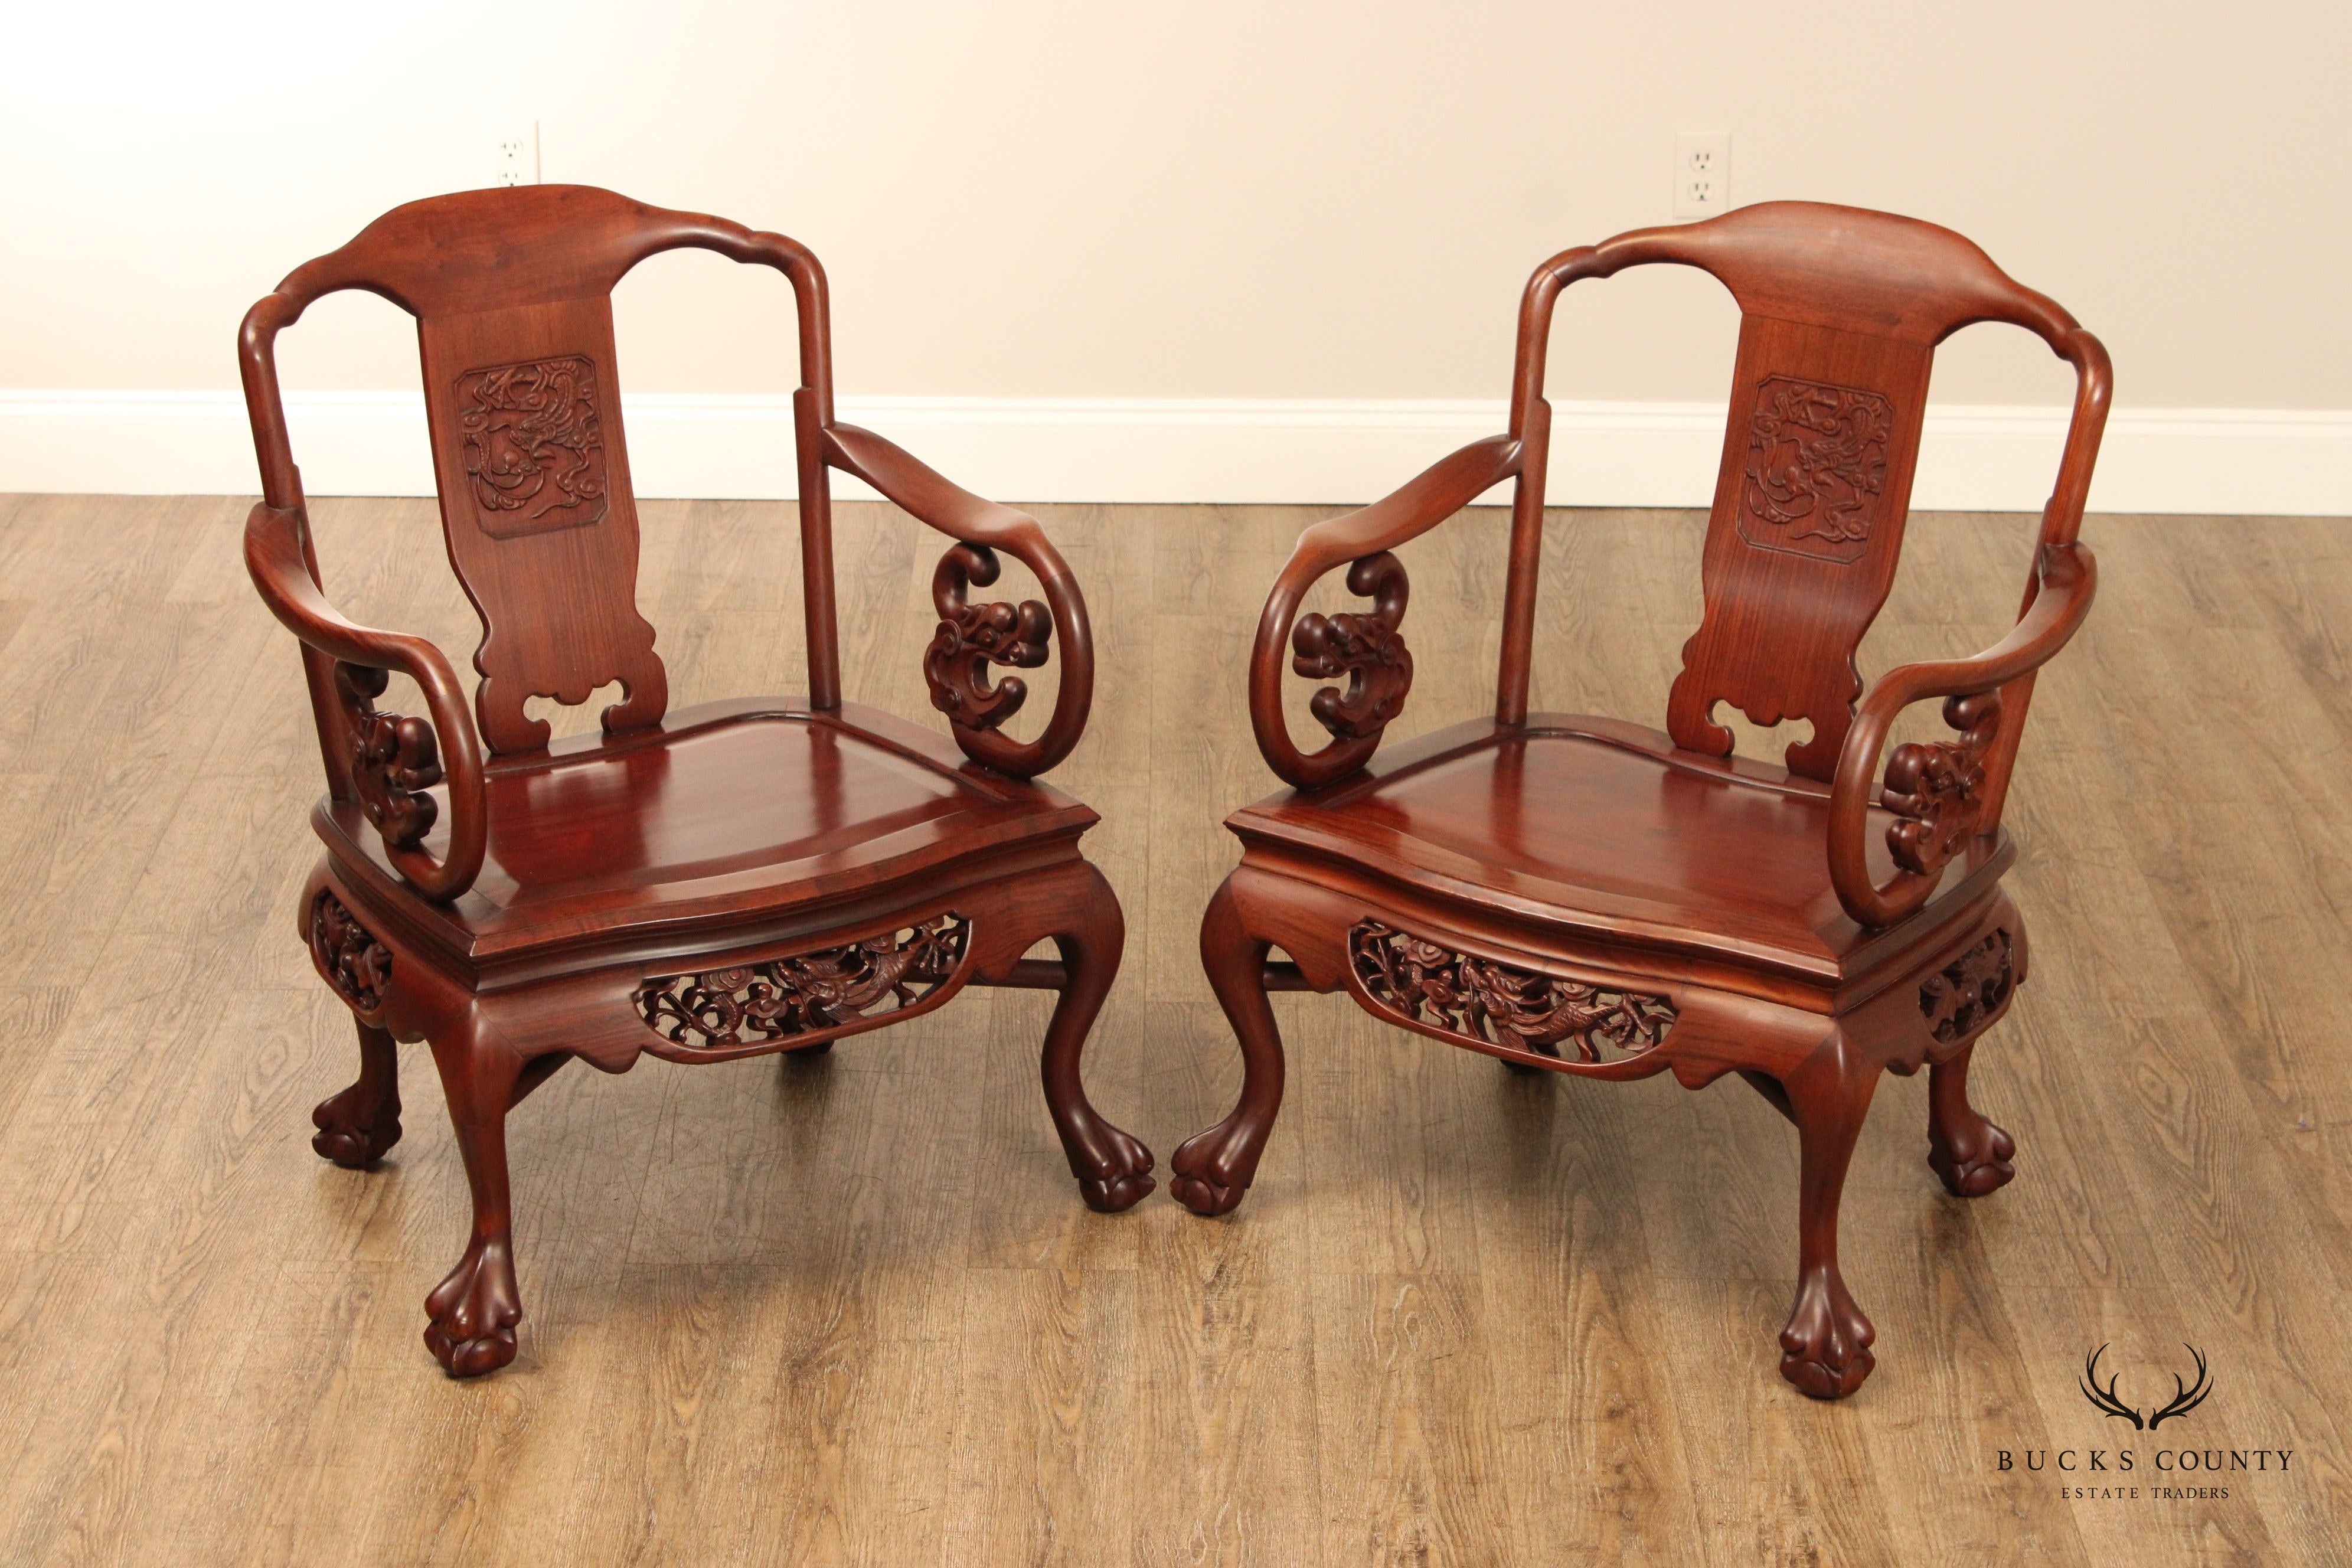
(722, 881)
(1592, 896)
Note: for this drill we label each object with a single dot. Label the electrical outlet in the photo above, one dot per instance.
(1702, 174)
(514, 158)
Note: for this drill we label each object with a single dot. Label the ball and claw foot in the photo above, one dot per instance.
(1825, 1349)
(355, 1128)
(474, 1312)
(1971, 1157)
(1204, 1179)
(1128, 1181)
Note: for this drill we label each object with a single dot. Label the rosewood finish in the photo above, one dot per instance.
(1583, 895)
(727, 881)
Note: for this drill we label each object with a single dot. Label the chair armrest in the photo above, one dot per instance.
(1369, 648)
(1946, 793)
(971, 637)
(392, 760)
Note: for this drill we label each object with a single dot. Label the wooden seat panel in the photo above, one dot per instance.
(721, 813)
(1596, 824)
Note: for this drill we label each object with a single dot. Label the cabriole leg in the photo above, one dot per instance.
(1825, 1348)
(1214, 1168)
(474, 1311)
(1114, 1171)
(357, 1126)
(1969, 1154)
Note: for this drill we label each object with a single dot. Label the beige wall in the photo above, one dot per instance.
(1132, 199)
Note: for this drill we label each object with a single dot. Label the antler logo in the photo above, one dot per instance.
(2185, 1397)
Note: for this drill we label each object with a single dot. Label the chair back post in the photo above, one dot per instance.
(2061, 524)
(812, 418)
(282, 489)
(1530, 427)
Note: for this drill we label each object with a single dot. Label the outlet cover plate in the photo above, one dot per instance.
(514, 155)
(1702, 174)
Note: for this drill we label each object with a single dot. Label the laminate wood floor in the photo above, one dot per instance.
(851, 1310)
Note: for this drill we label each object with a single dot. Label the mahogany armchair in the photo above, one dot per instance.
(723, 881)
(1588, 896)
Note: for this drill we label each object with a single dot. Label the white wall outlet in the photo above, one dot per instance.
(515, 154)
(1702, 174)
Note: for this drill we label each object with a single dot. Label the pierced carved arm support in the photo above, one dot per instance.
(392, 760)
(1367, 648)
(971, 637)
(1945, 792)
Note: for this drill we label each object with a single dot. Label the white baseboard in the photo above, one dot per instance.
(1980, 458)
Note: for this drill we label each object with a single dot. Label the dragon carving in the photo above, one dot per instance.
(394, 759)
(971, 637)
(534, 443)
(1494, 1003)
(1816, 468)
(1960, 997)
(1938, 787)
(1369, 648)
(825, 992)
(356, 964)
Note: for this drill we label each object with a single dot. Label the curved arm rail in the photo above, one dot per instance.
(1363, 537)
(1943, 791)
(403, 751)
(984, 634)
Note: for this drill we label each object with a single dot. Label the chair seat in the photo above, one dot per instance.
(1607, 829)
(722, 814)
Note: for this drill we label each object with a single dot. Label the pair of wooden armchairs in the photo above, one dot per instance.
(1576, 895)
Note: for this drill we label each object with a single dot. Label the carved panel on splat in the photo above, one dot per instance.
(534, 445)
(538, 510)
(1816, 468)
(1801, 547)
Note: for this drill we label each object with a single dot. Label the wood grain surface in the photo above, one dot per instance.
(844, 1311)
